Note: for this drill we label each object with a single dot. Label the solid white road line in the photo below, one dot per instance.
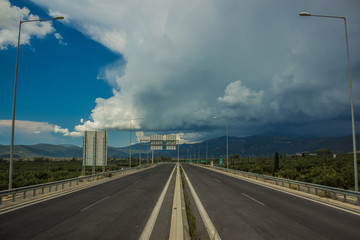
(145, 235)
(213, 234)
(253, 199)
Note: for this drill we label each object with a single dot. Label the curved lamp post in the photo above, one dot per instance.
(306, 14)
(14, 102)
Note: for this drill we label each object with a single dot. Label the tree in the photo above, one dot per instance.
(276, 162)
(324, 152)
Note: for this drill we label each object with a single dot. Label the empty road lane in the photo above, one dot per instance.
(242, 210)
(114, 210)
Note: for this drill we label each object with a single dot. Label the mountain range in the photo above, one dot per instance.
(258, 145)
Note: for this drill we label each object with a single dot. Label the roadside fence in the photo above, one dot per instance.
(44, 188)
(338, 194)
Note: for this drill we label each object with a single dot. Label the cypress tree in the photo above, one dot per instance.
(276, 162)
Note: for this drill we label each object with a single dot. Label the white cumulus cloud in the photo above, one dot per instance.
(9, 25)
(237, 94)
(31, 127)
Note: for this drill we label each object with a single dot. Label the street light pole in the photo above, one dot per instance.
(306, 14)
(227, 143)
(130, 141)
(14, 101)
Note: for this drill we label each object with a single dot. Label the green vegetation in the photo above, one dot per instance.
(321, 169)
(42, 170)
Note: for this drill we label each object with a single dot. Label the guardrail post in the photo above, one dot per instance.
(358, 200)
(34, 192)
(42, 190)
(24, 195)
(334, 195)
(49, 189)
(1, 200)
(63, 186)
(13, 198)
(70, 184)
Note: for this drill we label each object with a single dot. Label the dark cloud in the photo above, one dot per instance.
(254, 62)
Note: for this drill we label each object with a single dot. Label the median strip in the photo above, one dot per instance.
(177, 226)
(145, 235)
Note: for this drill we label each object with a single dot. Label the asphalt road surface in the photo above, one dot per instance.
(114, 210)
(243, 210)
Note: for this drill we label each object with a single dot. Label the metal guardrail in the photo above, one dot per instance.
(58, 185)
(338, 194)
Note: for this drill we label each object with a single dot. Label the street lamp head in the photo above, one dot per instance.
(304, 14)
(58, 17)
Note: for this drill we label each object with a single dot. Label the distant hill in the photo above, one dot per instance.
(248, 146)
(42, 150)
(58, 151)
(259, 145)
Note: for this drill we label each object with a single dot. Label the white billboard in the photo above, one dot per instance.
(95, 148)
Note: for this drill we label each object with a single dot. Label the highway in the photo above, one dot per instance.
(121, 209)
(114, 210)
(243, 210)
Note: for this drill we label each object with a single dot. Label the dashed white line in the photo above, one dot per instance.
(253, 199)
(217, 180)
(84, 209)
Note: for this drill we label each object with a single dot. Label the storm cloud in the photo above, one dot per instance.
(256, 63)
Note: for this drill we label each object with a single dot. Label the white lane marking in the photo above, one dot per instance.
(213, 234)
(43, 199)
(253, 199)
(145, 235)
(60, 193)
(84, 209)
(284, 191)
(217, 180)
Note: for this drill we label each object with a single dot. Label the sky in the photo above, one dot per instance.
(170, 66)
